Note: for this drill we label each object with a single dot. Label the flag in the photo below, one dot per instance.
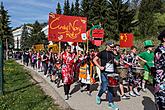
(126, 39)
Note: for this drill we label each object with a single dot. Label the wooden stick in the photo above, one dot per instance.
(77, 47)
(84, 48)
(87, 46)
(59, 47)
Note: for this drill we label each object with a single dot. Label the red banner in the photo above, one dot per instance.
(97, 42)
(126, 39)
(66, 28)
(98, 33)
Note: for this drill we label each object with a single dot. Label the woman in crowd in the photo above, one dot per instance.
(67, 70)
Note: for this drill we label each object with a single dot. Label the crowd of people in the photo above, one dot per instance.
(112, 67)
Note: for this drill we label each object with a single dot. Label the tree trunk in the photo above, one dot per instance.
(6, 49)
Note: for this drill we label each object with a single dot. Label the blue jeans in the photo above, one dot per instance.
(104, 87)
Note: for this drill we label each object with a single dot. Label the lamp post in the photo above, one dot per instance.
(1, 62)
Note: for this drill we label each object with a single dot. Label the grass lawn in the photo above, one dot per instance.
(20, 93)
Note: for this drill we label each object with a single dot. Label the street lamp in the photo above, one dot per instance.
(1, 61)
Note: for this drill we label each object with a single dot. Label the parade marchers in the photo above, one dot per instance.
(111, 67)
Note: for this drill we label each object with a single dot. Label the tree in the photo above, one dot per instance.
(66, 8)
(146, 16)
(58, 9)
(72, 10)
(37, 36)
(96, 11)
(24, 42)
(5, 30)
(85, 7)
(121, 17)
(77, 8)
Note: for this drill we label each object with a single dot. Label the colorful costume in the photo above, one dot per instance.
(160, 76)
(149, 57)
(67, 68)
(84, 74)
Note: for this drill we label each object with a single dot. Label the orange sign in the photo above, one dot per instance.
(66, 28)
(126, 39)
(54, 47)
(38, 47)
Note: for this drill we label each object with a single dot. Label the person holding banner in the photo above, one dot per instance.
(159, 73)
(107, 58)
(67, 70)
(148, 58)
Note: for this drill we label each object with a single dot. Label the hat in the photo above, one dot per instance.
(148, 43)
(110, 43)
(161, 35)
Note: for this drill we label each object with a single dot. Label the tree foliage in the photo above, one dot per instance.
(58, 9)
(72, 10)
(66, 7)
(147, 10)
(5, 29)
(24, 42)
(77, 8)
(37, 36)
(121, 18)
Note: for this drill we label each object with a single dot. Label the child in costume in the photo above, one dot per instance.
(148, 58)
(86, 74)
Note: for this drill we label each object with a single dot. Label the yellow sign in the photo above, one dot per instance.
(38, 47)
(55, 48)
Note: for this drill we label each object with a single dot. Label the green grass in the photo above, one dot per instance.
(20, 93)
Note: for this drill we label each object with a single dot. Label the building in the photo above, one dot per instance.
(17, 36)
(45, 30)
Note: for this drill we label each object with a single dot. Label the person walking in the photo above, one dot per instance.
(67, 71)
(107, 67)
(148, 58)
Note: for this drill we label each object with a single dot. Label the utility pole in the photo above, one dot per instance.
(1, 67)
(1, 59)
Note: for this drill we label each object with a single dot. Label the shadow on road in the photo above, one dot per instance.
(148, 103)
(94, 87)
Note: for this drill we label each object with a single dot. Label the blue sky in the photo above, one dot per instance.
(28, 11)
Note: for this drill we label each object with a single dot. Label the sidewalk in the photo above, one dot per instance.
(82, 101)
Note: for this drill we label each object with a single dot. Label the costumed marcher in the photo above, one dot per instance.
(131, 61)
(39, 61)
(45, 60)
(120, 58)
(98, 72)
(86, 74)
(51, 64)
(34, 60)
(148, 58)
(159, 73)
(67, 70)
(79, 59)
(26, 58)
(107, 67)
(57, 72)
